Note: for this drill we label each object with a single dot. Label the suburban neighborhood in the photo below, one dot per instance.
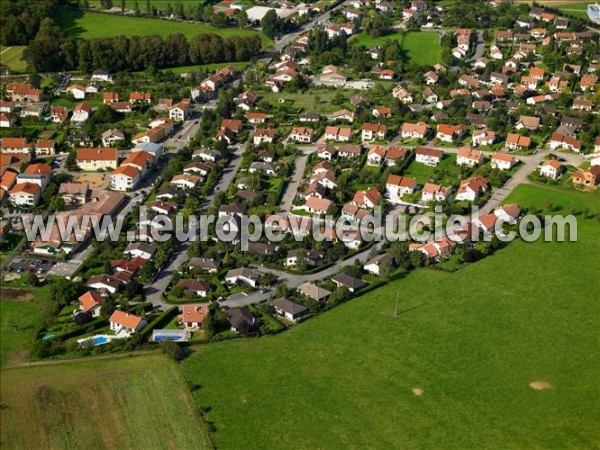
(346, 110)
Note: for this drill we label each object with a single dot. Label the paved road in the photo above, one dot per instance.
(155, 290)
(291, 189)
(480, 49)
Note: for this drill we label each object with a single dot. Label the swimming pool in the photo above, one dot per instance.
(99, 339)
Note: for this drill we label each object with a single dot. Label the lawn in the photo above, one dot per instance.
(421, 47)
(21, 311)
(472, 341)
(577, 9)
(239, 65)
(92, 24)
(140, 402)
(312, 100)
(450, 172)
(11, 56)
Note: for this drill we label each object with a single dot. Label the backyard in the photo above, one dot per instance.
(501, 354)
(140, 402)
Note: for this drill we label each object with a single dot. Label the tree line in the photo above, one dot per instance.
(50, 51)
(21, 19)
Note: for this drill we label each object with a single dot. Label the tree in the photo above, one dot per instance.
(29, 279)
(109, 307)
(173, 350)
(148, 8)
(122, 6)
(178, 291)
(270, 24)
(57, 204)
(168, 10)
(136, 9)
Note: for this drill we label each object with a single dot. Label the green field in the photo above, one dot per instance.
(93, 24)
(158, 4)
(20, 315)
(472, 341)
(577, 9)
(11, 56)
(312, 100)
(421, 48)
(140, 402)
(239, 65)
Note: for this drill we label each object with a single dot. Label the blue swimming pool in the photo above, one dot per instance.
(96, 340)
(99, 340)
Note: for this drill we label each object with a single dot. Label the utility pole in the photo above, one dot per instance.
(396, 308)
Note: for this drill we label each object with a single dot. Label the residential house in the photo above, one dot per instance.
(241, 320)
(551, 168)
(58, 114)
(124, 323)
(192, 316)
(97, 158)
(373, 131)
(313, 291)
(342, 134)
(185, 181)
(196, 288)
(435, 193)
(468, 157)
(450, 133)
(374, 265)
(588, 178)
(125, 178)
(77, 91)
(319, 206)
(396, 186)
(25, 194)
(310, 257)
(111, 137)
(15, 145)
(243, 275)
(104, 284)
(483, 137)
(288, 309)
(414, 130)
(262, 135)
(91, 303)
(517, 142)
(471, 188)
(81, 113)
(367, 199)
(141, 250)
(564, 141)
(502, 161)
(351, 283)
(302, 135)
(428, 156)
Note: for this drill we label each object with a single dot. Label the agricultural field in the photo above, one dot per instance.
(92, 24)
(11, 56)
(474, 359)
(130, 402)
(421, 47)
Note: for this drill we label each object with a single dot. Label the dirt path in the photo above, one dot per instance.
(79, 360)
(5, 50)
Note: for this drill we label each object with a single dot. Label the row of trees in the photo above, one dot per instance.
(50, 51)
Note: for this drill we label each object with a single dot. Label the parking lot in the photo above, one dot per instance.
(29, 265)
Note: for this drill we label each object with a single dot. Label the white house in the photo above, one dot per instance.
(428, 156)
(396, 186)
(551, 168)
(125, 178)
(243, 275)
(502, 161)
(123, 323)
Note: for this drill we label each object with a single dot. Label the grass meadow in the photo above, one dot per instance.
(139, 402)
(421, 47)
(453, 370)
(92, 24)
(11, 56)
